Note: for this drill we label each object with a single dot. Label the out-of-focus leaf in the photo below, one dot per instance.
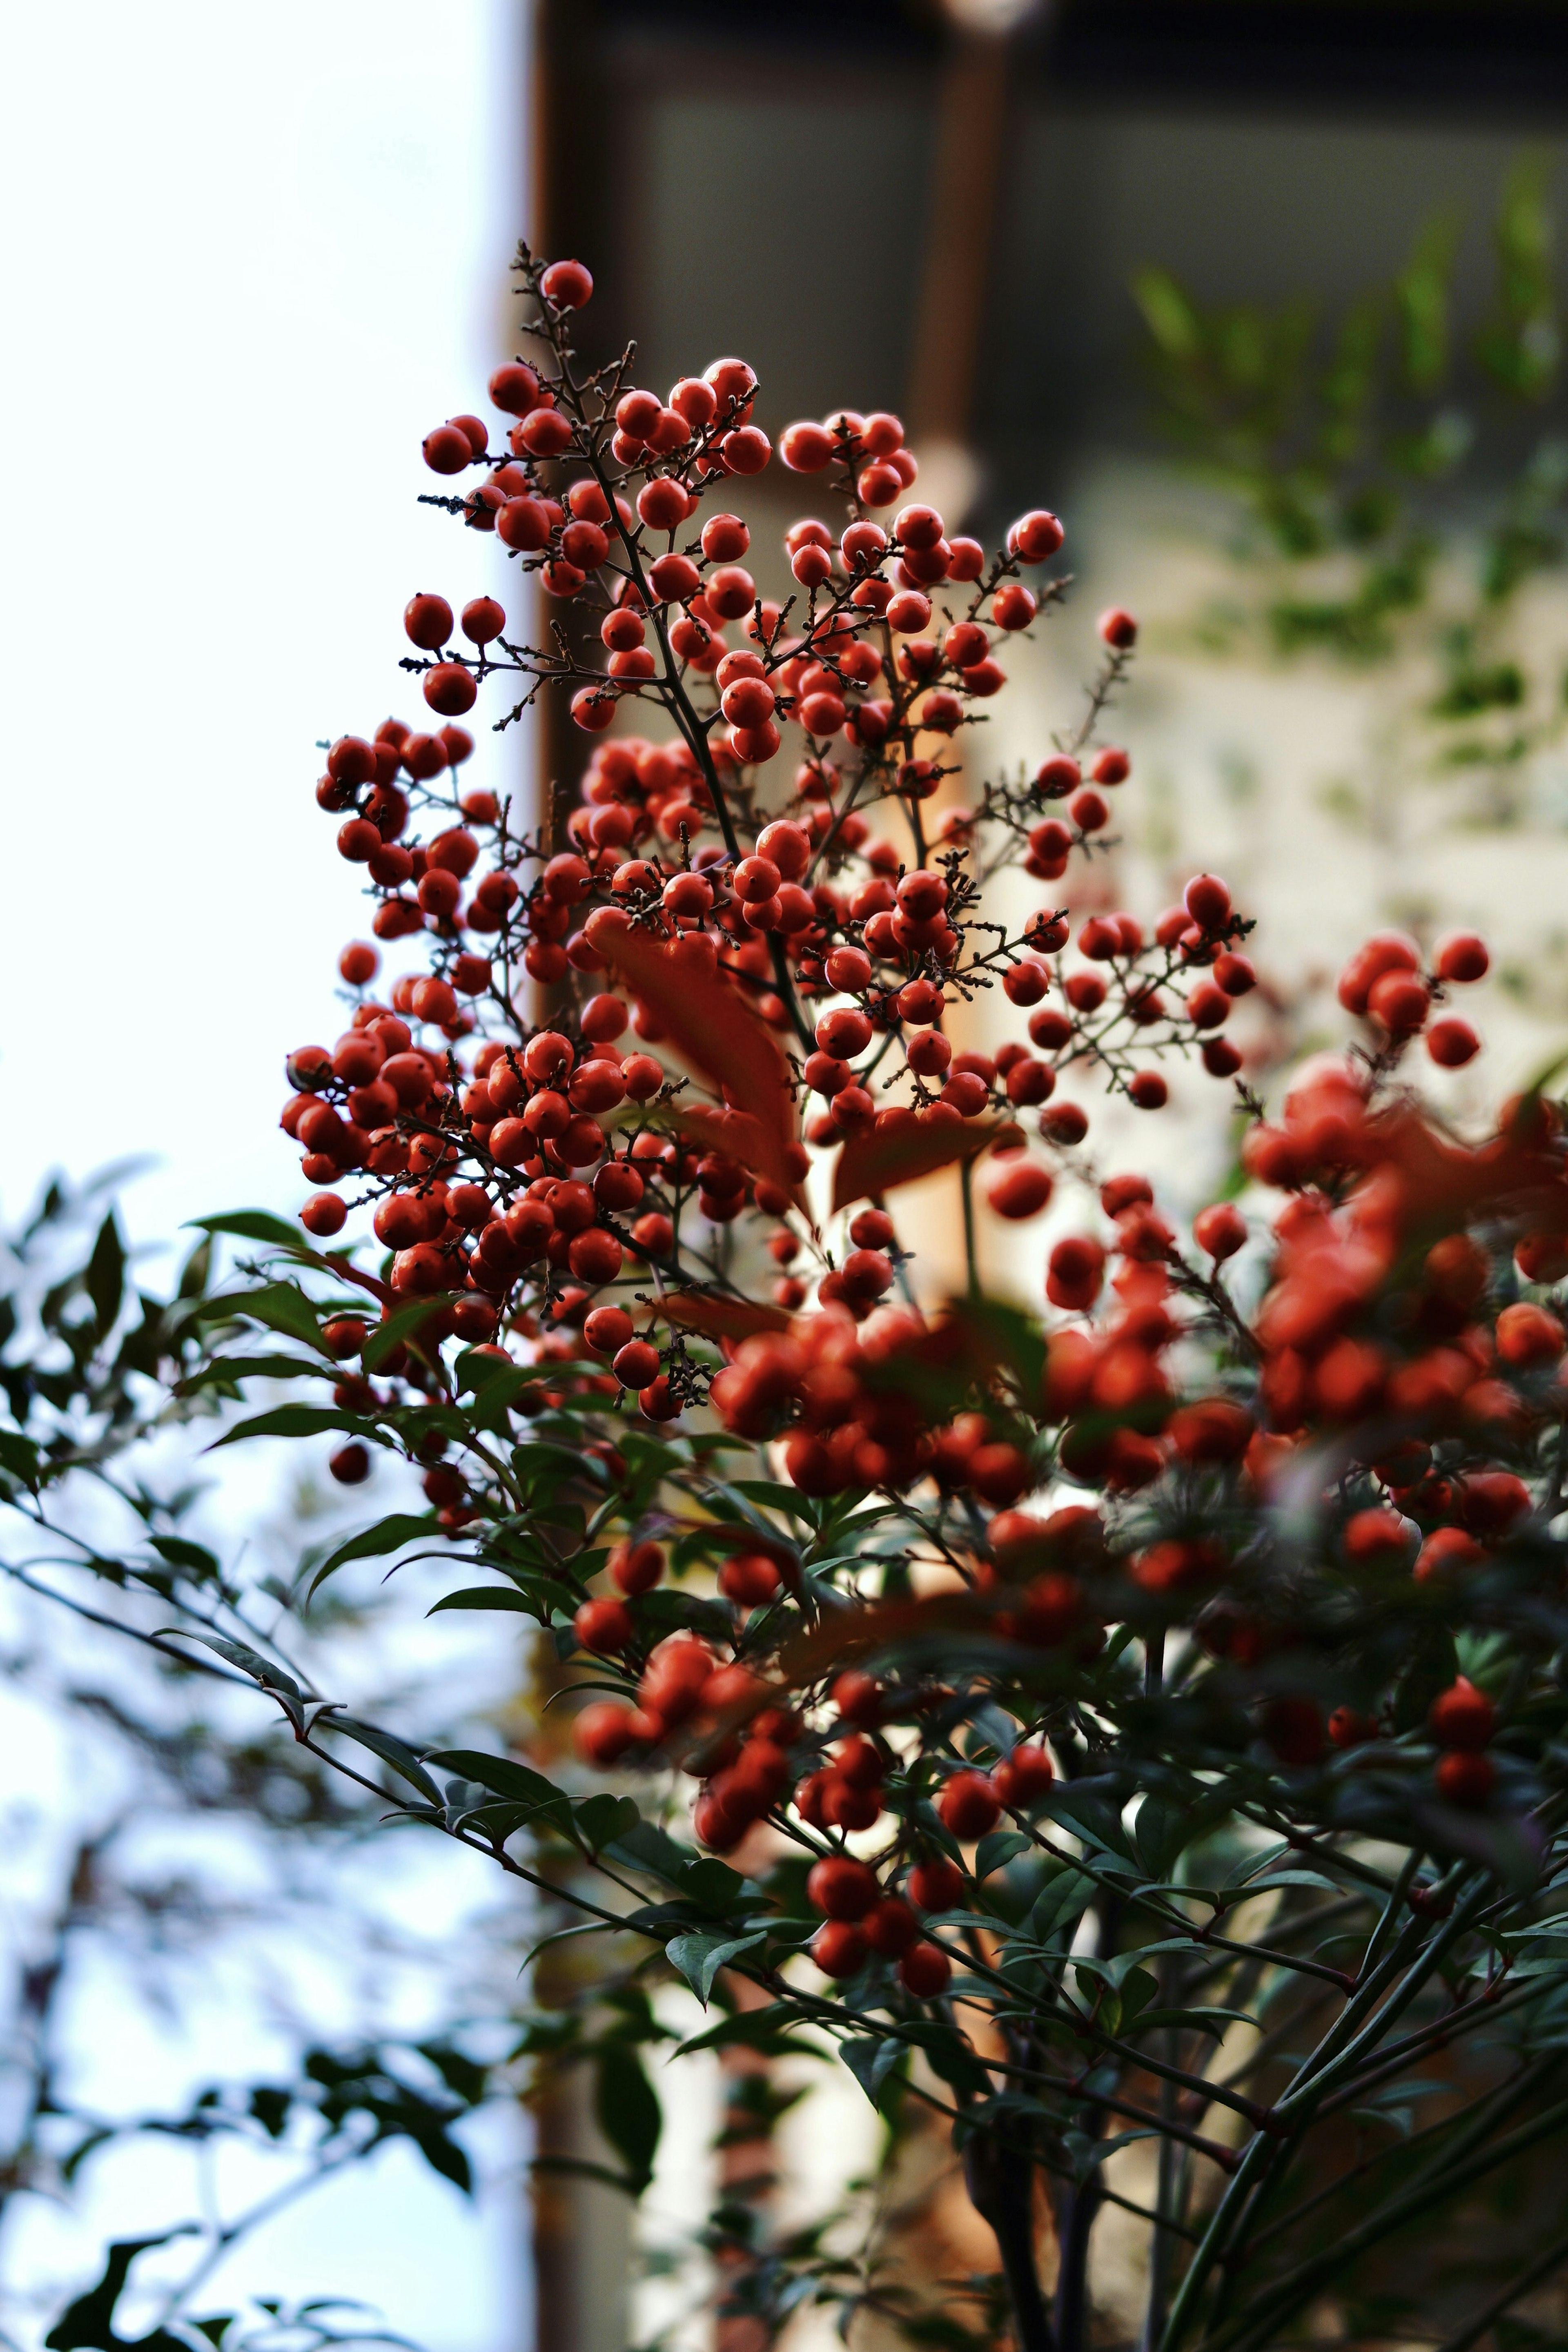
(908, 1148)
(871, 2061)
(225, 1369)
(19, 1458)
(710, 1024)
(253, 1225)
(194, 1557)
(626, 2109)
(88, 2324)
(105, 1272)
(1168, 314)
(720, 1318)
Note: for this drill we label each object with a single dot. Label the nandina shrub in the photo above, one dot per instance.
(1136, 1719)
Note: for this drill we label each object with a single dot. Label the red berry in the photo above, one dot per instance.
(1465, 1778)
(925, 1971)
(604, 1626)
(1452, 1043)
(890, 1928)
(839, 1949)
(602, 1732)
(969, 1805)
(1022, 1189)
(841, 1888)
(1462, 956)
(350, 1466)
(636, 1567)
(937, 1885)
(1025, 1777)
(1462, 1716)
(1117, 629)
(567, 285)
(323, 1214)
(427, 622)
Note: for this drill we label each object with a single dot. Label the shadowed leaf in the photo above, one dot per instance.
(906, 1149)
(711, 1026)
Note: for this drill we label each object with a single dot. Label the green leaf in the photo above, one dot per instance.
(603, 1818)
(281, 1305)
(871, 2061)
(194, 1557)
(105, 1272)
(534, 1795)
(390, 1534)
(261, 1669)
(384, 1744)
(699, 1959)
(297, 1420)
(20, 1457)
(648, 1848)
(88, 2324)
(396, 1331)
(626, 2108)
(996, 1847)
(252, 1226)
(1168, 314)
(223, 1368)
(776, 1498)
(487, 1596)
(766, 2031)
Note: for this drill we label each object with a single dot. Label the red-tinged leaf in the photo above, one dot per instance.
(720, 1318)
(734, 1133)
(710, 1024)
(906, 1148)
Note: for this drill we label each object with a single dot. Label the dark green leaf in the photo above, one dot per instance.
(996, 1847)
(20, 1457)
(281, 1305)
(871, 2061)
(105, 1272)
(699, 1959)
(604, 1818)
(297, 1420)
(397, 1330)
(391, 1751)
(373, 1543)
(193, 1557)
(88, 2324)
(628, 2109)
(252, 1226)
(486, 1596)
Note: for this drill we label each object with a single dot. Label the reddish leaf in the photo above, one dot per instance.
(720, 1318)
(906, 1148)
(735, 1134)
(710, 1023)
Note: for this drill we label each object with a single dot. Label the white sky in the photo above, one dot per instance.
(253, 256)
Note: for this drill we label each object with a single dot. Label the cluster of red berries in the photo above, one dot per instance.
(716, 1005)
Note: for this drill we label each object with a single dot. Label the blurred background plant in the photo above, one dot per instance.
(1389, 489)
(221, 1998)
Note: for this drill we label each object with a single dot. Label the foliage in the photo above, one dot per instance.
(1210, 1810)
(87, 1364)
(1398, 488)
